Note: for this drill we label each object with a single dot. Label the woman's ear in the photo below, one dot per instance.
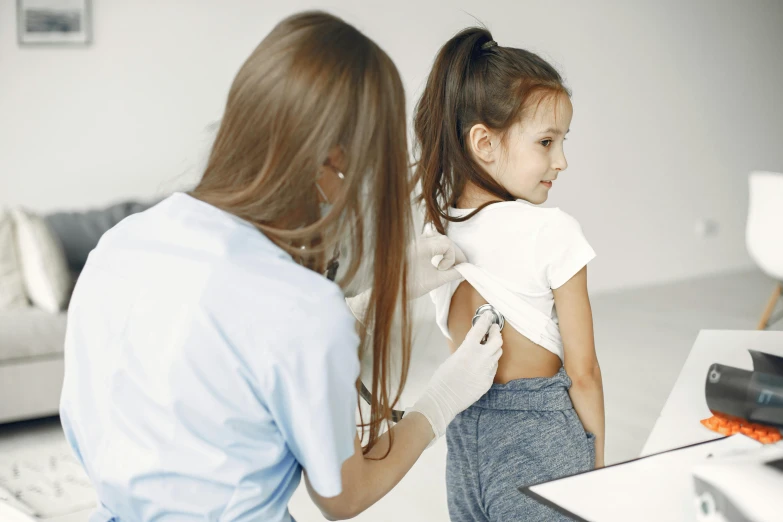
(483, 143)
(336, 158)
(330, 176)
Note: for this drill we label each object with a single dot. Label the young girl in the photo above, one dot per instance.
(490, 127)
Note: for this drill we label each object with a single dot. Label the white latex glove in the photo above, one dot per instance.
(358, 304)
(462, 378)
(433, 257)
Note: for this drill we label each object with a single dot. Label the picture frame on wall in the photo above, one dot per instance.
(54, 22)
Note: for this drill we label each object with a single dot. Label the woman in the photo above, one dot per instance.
(208, 359)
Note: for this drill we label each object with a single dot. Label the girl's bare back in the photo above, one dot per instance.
(522, 358)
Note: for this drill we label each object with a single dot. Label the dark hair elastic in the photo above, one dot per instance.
(488, 45)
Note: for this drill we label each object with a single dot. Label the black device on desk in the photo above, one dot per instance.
(756, 396)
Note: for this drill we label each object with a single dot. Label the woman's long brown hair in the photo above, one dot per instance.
(473, 81)
(313, 84)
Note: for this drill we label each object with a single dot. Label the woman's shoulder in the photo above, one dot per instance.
(281, 309)
(278, 284)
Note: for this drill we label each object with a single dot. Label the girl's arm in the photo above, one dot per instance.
(581, 363)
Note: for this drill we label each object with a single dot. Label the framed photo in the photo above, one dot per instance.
(54, 22)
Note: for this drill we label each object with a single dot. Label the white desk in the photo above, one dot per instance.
(660, 487)
(652, 489)
(678, 424)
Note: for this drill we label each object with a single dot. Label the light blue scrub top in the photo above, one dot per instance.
(204, 369)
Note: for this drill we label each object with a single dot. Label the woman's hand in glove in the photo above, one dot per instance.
(462, 378)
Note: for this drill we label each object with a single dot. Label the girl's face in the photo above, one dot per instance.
(531, 157)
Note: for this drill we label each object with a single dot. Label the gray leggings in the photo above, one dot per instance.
(518, 434)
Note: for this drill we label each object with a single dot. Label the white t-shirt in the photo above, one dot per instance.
(517, 253)
(204, 369)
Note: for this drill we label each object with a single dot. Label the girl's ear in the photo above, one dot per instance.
(483, 143)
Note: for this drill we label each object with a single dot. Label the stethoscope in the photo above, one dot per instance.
(497, 318)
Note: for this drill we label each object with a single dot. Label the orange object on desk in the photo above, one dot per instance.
(726, 425)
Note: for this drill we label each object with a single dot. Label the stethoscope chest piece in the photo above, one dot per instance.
(497, 317)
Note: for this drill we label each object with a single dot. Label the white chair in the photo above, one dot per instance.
(764, 232)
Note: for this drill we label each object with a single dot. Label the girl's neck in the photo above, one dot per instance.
(473, 197)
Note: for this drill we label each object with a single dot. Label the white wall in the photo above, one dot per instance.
(674, 103)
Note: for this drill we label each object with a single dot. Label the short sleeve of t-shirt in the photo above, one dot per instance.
(312, 392)
(562, 249)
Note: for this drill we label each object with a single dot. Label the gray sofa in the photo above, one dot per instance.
(31, 340)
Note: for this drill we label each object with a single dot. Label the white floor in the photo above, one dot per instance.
(643, 337)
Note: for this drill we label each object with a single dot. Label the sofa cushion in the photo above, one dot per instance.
(79, 232)
(46, 276)
(12, 291)
(30, 333)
